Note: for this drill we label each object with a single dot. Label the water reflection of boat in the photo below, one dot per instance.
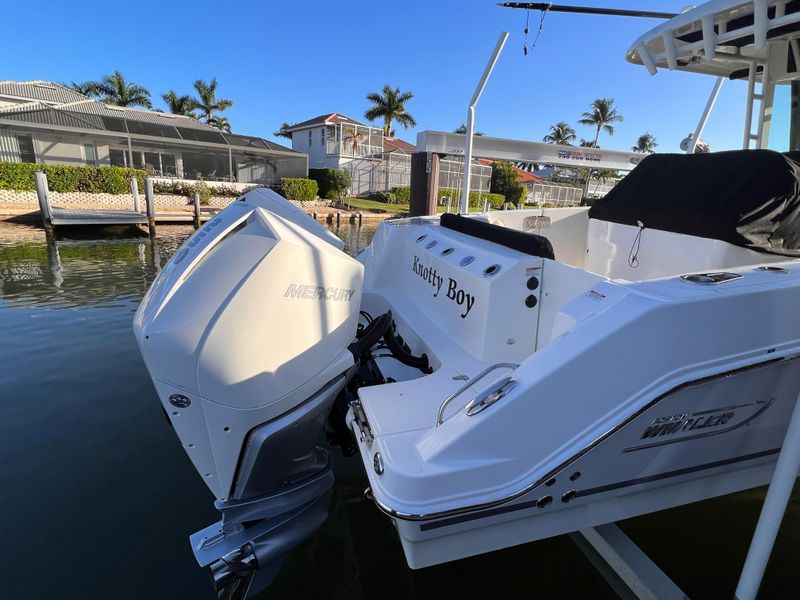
(505, 376)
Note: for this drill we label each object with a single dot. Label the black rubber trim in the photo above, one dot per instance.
(528, 243)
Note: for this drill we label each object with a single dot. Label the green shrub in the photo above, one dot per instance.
(506, 181)
(61, 178)
(113, 180)
(179, 187)
(388, 197)
(299, 189)
(68, 178)
(333, 183)
(17, 176)
(403, 194)
(201, 187)
(475, 198)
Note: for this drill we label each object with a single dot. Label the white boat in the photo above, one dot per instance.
(504, 376)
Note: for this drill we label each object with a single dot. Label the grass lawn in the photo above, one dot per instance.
(377, 206)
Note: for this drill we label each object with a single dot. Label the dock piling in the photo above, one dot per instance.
(360, 214)
(197, 210)
(149, 204)
(40, 181)
(338, 217)
(135, 193)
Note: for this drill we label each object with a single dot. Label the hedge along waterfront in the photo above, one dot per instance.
(299, 189)
(403, 195)
(68, 178)
(333, 183)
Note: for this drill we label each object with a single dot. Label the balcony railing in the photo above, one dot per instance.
(350, 148)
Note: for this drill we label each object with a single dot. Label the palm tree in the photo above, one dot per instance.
(646, 144)
(560, 133)
(354, 138)
(87, 88)
(179, 105)
(463, 129)
(390, 105)
(601, 116)
(283, 131)
(113, 89)
(220, 122)
(588, 144)
(207, 102)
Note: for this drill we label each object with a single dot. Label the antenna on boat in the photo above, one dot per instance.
(588, 10)
(501, 41)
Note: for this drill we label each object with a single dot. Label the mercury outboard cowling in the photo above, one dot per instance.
(245, 333)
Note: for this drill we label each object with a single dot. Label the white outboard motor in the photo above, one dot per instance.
(245, 333)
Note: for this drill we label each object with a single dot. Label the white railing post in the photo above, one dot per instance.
(780, 488)
(471, 119)
(704, 118)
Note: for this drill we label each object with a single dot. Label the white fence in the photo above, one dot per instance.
(554, 195)
(379, 174)
(600, 187)
(385, 171)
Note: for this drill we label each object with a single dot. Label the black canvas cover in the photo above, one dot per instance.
(749, 198)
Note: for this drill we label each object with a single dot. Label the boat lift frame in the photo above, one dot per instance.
(629, 571)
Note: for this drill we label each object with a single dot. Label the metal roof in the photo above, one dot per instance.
(45, 91)
(87, 114)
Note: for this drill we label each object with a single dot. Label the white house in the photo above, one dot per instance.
(45, 122)
(375, 162)
(332, 140)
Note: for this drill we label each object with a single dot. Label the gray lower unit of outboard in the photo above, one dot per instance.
(280, 499)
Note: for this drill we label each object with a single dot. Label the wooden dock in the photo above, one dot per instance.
(58, 216)
(73, 216)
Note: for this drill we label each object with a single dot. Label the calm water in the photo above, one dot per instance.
(97, 497)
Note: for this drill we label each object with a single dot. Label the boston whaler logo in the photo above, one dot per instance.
(315, 292)
(684, 422)
(687, 426)
(453, 293)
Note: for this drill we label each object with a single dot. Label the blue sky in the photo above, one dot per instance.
(290, 61)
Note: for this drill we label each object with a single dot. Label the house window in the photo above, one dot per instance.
(26, 151)
(309, 137)
(138, 160)
(322, 136)
(152, 164)
(168, 164)
(91, 154)
(117, 157)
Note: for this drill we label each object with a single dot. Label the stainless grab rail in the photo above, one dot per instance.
(489, 396)
(466, 386)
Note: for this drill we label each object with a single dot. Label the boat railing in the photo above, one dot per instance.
(440, 416)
